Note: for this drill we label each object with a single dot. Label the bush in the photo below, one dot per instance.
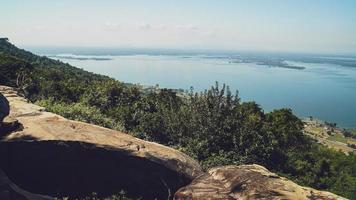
(80, 112)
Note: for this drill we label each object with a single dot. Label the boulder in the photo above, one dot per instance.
(8, 125)
(247, 182)
(4, 108)
(55, 156)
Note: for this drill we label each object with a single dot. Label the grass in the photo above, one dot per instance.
(338, 138)
(315, 130)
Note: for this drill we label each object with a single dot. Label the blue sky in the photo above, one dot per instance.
(257, 25)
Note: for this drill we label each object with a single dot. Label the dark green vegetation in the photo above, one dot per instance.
(121, 196)
(350, 133)
(214, 127)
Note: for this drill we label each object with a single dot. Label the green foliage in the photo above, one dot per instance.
(80, 112)
(324, 169)
(352, 146)
(349, 133)
(338, 138)
(121, 196)
(214, 126)
(13, 71)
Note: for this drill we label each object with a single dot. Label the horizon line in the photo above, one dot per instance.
(182, 49)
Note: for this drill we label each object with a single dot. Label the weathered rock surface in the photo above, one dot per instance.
(10, 191)
(247, 182)
(59, 157)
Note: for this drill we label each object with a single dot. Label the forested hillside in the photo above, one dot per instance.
(214, 126)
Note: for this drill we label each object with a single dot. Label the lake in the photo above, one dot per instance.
(322, 88)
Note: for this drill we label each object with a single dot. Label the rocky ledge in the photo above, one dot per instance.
(247, 182)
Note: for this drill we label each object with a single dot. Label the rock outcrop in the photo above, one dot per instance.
(4, 108)
(247, 182)
(55, 156)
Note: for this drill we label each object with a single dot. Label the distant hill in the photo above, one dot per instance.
(9, 50)
(21, 68)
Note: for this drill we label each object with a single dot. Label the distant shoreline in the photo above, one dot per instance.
(78, 58)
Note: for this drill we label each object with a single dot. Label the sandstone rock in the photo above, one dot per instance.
(10, 191)
(59, 157)
(247, 182)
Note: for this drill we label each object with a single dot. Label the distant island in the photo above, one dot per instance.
(269, 63)
(79, 57)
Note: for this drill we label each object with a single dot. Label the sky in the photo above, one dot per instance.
(318, 26)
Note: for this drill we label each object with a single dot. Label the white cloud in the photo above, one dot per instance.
(188, 27)
(163, 27)
(210, 33)
(112, 26)
(194, 28)
(144, 26)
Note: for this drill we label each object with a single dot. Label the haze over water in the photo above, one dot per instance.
(321, 87)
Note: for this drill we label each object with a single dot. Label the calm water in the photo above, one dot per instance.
(325, 91)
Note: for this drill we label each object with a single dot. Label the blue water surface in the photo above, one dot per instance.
(324, 90)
